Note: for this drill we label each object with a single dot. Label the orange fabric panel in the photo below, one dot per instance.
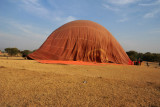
(81, 40)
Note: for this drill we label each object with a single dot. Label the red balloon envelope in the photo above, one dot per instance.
(81, 40)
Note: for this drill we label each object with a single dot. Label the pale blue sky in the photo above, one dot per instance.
(26, 24)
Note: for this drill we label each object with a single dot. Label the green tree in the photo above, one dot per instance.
(12, 51)
(25, 53)
(140, 55)
(148, 56)
(152, 57)
(133, 55)
(156, 57)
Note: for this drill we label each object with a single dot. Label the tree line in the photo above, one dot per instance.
(151, 57)
(133, 55)
(15, 52)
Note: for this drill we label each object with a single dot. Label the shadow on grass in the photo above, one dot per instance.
(2, 67)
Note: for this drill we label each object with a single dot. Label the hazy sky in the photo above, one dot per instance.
(26, 24)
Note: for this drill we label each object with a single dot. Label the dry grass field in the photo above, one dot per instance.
(27, 83)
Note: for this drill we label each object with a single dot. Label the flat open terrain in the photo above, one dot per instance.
(26, 83)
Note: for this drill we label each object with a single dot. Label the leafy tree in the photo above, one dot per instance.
(133, 55)
(156, 57)
(148, 56)
(25, 53)
(140, 55)
(12, 51)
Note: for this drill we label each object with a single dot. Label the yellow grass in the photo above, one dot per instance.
(29, 83)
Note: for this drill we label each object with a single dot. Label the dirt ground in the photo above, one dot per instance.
(27, 83)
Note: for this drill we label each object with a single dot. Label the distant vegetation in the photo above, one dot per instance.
(151, 57)
(25, 53)
(17, 52)
(133, 55)
(12, 51)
